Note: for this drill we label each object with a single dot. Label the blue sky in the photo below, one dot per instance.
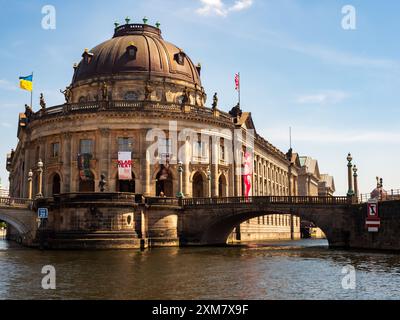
(337, 89)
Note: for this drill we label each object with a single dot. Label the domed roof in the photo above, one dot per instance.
(137, 49)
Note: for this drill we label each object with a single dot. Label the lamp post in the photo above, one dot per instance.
(179, 194)
(40, 182)
(355, 175)
(30, 177)
(209, 181)
(350, 193)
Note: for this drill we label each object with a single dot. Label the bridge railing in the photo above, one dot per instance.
(14, 202)
(162, 201)
(393, 194)
(266, 200)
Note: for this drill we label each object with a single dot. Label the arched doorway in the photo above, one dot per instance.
(56, 184)
(87, 185)
(164, 183)
(222, 186)
(126, 185)
(198, 185)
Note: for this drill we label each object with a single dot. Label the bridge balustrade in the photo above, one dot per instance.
(266, 200)
(14, 202)
(391, 195)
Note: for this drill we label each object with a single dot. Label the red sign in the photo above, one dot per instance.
(373, 221)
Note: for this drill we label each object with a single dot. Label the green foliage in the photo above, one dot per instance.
(3, 225)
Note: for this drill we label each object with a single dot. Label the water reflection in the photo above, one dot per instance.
(285, 270)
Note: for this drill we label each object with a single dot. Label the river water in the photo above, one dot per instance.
(304, 269)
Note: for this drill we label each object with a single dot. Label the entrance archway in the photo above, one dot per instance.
(198, 186)
(222, 185)
(126, 185)
(164, 183)
(88, 184)
(56, 184)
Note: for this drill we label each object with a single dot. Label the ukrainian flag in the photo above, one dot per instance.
(26, 83)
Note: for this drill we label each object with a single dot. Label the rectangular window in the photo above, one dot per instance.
(55, 150)
(165, 148)
(200, 149)
(222, 152)
(125, 144)
(86, 146)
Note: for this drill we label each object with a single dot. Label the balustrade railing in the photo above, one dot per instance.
(162, 201)
(389, 195)
(14, 202)
(266, 200)
(149, 106)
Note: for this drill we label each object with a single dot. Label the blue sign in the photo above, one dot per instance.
(43, 213)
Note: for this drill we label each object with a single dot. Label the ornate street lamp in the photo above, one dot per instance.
(350, 193)
(40, 182)
(355, 175)
(30, 178)
(145, 20)
(127, 20)
(179, 194)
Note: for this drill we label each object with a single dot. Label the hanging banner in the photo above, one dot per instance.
(247, 174)
(84, 166)
(125, 165)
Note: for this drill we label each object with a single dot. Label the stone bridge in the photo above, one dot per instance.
(210, 221)
(20, 218)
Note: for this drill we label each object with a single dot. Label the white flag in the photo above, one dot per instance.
(125, 165)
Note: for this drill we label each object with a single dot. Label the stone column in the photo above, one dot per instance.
(27, 166)
(215, 141)
(104, 157)
(350, 193)
(30, 176)
(146, 174)
(186, 169)
(67, 154)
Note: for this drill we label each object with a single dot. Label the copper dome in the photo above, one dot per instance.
(154, 57)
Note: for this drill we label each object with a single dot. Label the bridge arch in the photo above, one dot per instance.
(213, 225)
(16, 223)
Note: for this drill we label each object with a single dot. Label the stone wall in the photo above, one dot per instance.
(387, 238)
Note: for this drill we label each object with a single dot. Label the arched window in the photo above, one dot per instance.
(222, 186)
(180, 58)
(164, 183)
(198, 185)
(131, 51)
(56, 184)
(126, 185)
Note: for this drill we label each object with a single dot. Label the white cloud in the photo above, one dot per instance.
(7, 85)
(219, 8)
(241, 5)
(326, 97)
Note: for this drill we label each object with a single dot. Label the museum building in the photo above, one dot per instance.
(123, 89)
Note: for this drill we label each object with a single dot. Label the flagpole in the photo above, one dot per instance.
(239, 87)
(32, 92)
